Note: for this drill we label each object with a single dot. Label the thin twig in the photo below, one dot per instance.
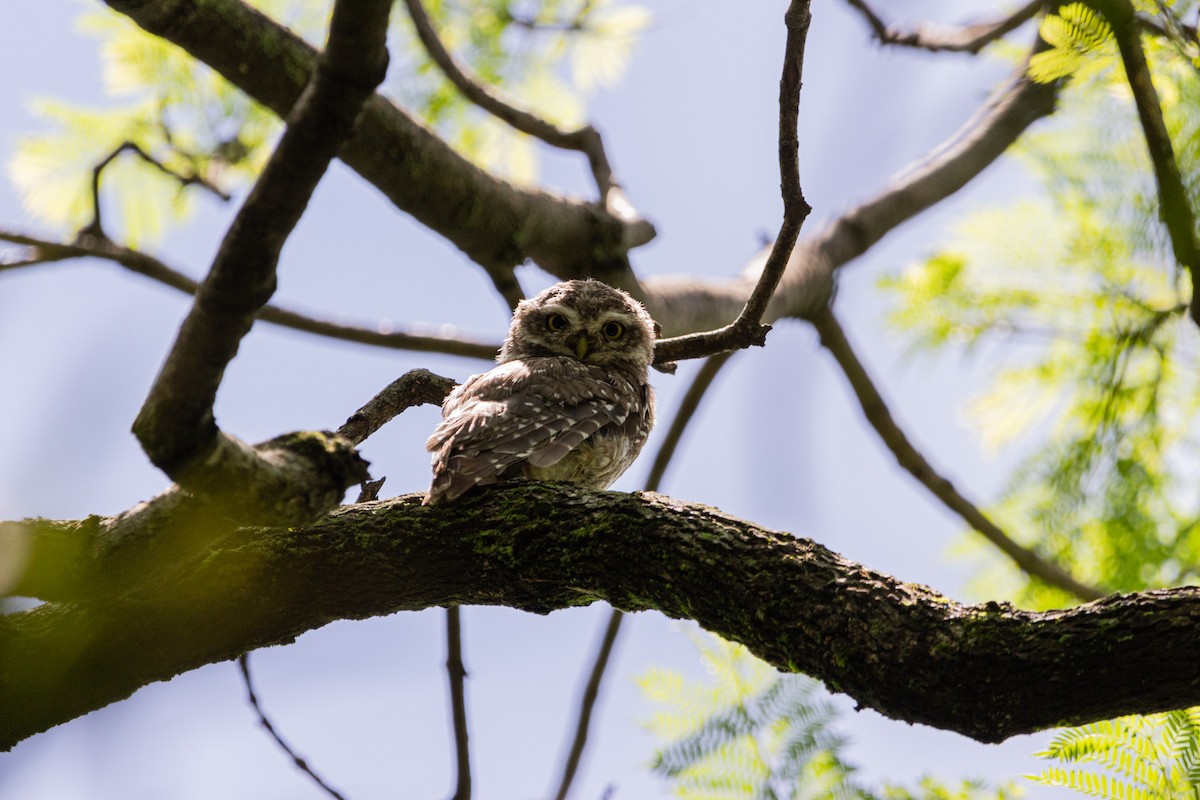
(934, 38)
(413, 388)
(457, 674)
(748, 329)
(95, 228)
(1174, 206)
(666, 451)
(591, 693)
(301, 764)
(45, 251)
(687, 409)
(877, 414)
(585, 140)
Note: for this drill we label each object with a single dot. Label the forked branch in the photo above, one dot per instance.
(176, 426)
(95, 227)
(748, 329)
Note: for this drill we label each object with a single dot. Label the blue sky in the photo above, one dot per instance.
(692, 132)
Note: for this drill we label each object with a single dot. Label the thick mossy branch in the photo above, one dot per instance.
(988, 672)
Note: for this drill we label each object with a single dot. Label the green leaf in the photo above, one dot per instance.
(1077, 36)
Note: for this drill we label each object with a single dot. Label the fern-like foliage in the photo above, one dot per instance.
(1154, 757)
(754, 734)
(1078, 36)
(1079, 305)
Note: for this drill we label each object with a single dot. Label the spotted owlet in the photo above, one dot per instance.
(569, 400)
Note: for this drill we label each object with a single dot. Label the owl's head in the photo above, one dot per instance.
(587, 320)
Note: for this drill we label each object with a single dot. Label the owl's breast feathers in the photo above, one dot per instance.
(552, 418)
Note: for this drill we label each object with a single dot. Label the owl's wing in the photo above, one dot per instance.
(535, 411)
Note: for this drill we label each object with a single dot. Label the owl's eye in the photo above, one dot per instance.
(613, 329)
(556, 322)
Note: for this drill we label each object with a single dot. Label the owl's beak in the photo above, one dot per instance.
(581, 347)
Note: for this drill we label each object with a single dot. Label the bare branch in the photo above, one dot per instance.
(47, 251)
(587, 702)
(1174, 206)
(95, 228)
(457, 675)
(301, 764)
(960, 39)
(877, 413)
(683, 305)
(683, 416)
(748, 329)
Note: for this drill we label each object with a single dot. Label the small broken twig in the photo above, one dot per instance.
(413, 388)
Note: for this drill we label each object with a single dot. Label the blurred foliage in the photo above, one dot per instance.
(1078, 36)
(1082, 309)
(752, 732)
(199, 128)
(1082, 44)
(1154, 757)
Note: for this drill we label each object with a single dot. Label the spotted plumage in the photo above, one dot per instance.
(569, 400)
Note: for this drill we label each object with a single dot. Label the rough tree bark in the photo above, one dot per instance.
(986, 671)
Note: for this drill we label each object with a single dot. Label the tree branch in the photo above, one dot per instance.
(587, 702)
(301, 764)
(585, 140)
(960, 39)
(457, 675)
(987, 671)
(877, 414)
(1174, 206)
(683, 305)
(175, 425)
(496, 224)
(413, 388)
(44, 251)
(683, 416)
(748, 329)
(308, 473)
(95, 227)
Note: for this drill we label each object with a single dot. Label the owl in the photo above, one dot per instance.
(568, 401)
